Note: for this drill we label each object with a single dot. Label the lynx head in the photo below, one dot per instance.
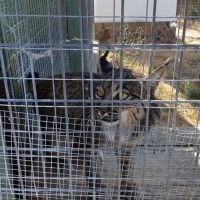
(133, 111)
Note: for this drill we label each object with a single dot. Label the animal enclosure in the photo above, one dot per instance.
(99, 112)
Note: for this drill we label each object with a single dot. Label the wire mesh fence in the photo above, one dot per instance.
(130, 130)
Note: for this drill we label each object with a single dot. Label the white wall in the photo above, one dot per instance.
(135, 10)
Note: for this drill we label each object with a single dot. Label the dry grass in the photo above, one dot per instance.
(192, 25)
(186, 113)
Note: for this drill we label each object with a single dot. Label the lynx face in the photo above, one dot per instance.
(125, 120)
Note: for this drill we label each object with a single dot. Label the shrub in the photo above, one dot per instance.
(190, 92)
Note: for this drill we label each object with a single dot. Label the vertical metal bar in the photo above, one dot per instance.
(63, 70)
(178, 27)
(196, 148)
(92, 57)
(66, 118)
(40, 138)
(113, 32)
(153, 32)
(121, 55)
(113, 72)
(80, 11)
(141, 93)
(88, 10)
(37, 108)
(93, 159)
(120, 93)
(180, 64)
(180, 67)
(88, 33)
(26, 119)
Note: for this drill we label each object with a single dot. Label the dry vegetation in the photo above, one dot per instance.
(187, 114)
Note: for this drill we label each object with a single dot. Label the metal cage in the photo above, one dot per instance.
(47, 156)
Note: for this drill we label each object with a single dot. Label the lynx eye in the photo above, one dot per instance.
(124, 96)
(100, 93)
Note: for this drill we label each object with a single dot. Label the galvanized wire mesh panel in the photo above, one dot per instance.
(21, 24)
(93, 136)
(165, 168)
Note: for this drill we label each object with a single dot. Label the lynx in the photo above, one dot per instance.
(118, 110)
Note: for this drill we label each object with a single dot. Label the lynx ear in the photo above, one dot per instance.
(159, 72)
(106, 67)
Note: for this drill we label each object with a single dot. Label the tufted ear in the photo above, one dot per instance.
(106, 67)
(157, 75)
